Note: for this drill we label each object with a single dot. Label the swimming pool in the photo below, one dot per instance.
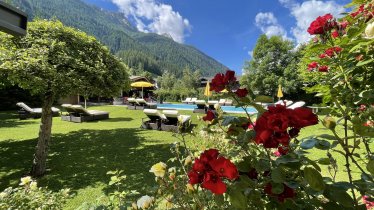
(191, 107)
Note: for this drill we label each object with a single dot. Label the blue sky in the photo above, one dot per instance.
(225, 30)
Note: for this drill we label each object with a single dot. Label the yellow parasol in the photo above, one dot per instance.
(279, 94)
(207, 91)
(142, 85)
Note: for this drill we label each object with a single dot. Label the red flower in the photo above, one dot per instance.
(323, 69)
(312, 65)
(343, 25)
(369, 202)
(362, 107)
(221, 81)
(359, 11)
(209, 170)
(322, 24)
(359, 57)
(241, 92)
(335, 34)
(279, 124)
(287, 192)
(323, 55)
(331, 52)
(209, 116)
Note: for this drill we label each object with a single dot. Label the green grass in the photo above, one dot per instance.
(82, 153)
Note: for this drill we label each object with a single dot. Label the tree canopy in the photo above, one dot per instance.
(274, 62)
(54, 61)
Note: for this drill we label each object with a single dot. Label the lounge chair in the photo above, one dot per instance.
(27, 112)
(211, 104)
(131, 103)
(186, 101)
(174, 121)
(68, 112)
(79, 114)
(284, 102)
(228, 102)
(201, 106)
(143, 104)
(193, 101)
(296, 105)
(222, 102)
(153, 120)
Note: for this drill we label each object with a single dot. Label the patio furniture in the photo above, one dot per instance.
(201, 106)
(211, 104)
(222, 102)
(143, 104)
(154, 119)
(175, 122)
(193, 101)
(28, 112)
(79, 114)
(284, 102)
(296, 105)
(131, 103)
(228, 102)
(186, 101)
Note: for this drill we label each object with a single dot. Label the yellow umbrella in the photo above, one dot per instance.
(207, 91)
(279, 94)
(224, 91)
(142, 85)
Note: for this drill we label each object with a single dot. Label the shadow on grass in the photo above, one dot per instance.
(11, 119)
(81, 158)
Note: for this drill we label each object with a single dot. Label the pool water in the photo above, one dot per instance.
(228, 109)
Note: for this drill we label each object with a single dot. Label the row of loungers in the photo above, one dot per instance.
(222, 102)
(168, 120)
(140, 104)
(27, 112)
(76, 113)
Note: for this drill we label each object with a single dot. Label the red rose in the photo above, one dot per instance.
(303, 117)
(323, 69)
(241, 92)
(323, 55)
(343, 25)
(218, 83)
(359, 11)
(287, 192)
(209, 169)
(222, 81)
(331, 52)
(322, 24)
(335, 34)
(209, 116)
(312, 65)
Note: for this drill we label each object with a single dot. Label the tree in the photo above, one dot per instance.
(274, 62)
(54, 60)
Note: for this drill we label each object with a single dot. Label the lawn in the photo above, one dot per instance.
(82, 153)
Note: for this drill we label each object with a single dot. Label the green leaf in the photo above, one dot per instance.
(308, 144)
(238, 200)
(370, 167)
(286, 159)
(314, 179)
(227, 120)
(323, 145)
(361, 63)
(341, 196)
(277, 188)
(277, 175)
(324, 161)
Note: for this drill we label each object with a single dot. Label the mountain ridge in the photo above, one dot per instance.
(116, 32)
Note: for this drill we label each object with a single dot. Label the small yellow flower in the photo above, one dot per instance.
(33, 185)
(188, 160)
(159, 169)
(25, 180)
(144, 202)
(369, 31)
(189, 188)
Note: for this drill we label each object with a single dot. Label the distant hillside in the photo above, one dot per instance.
(158, 53)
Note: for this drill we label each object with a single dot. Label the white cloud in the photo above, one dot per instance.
(308, 11)
(152, 16)
(269, 25)
(250, 53)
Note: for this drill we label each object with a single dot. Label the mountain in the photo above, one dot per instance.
(158, 53)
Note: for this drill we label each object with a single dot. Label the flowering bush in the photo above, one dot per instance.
(30, 196)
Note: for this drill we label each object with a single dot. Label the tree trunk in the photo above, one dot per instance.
(40, 157)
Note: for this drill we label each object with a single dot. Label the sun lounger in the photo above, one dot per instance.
(28, 112)
(153, 120)
(296, 105)
(228, 102)
(193, 101)
(222, 102)
(211, 104)
(175, 122)
(186, 101)
(143, 104)
(201, 106)
(284, 102)
(76, 113)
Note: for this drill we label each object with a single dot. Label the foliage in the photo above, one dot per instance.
(30, 196)
(274, 62)
(54, 60)
(155, 52)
